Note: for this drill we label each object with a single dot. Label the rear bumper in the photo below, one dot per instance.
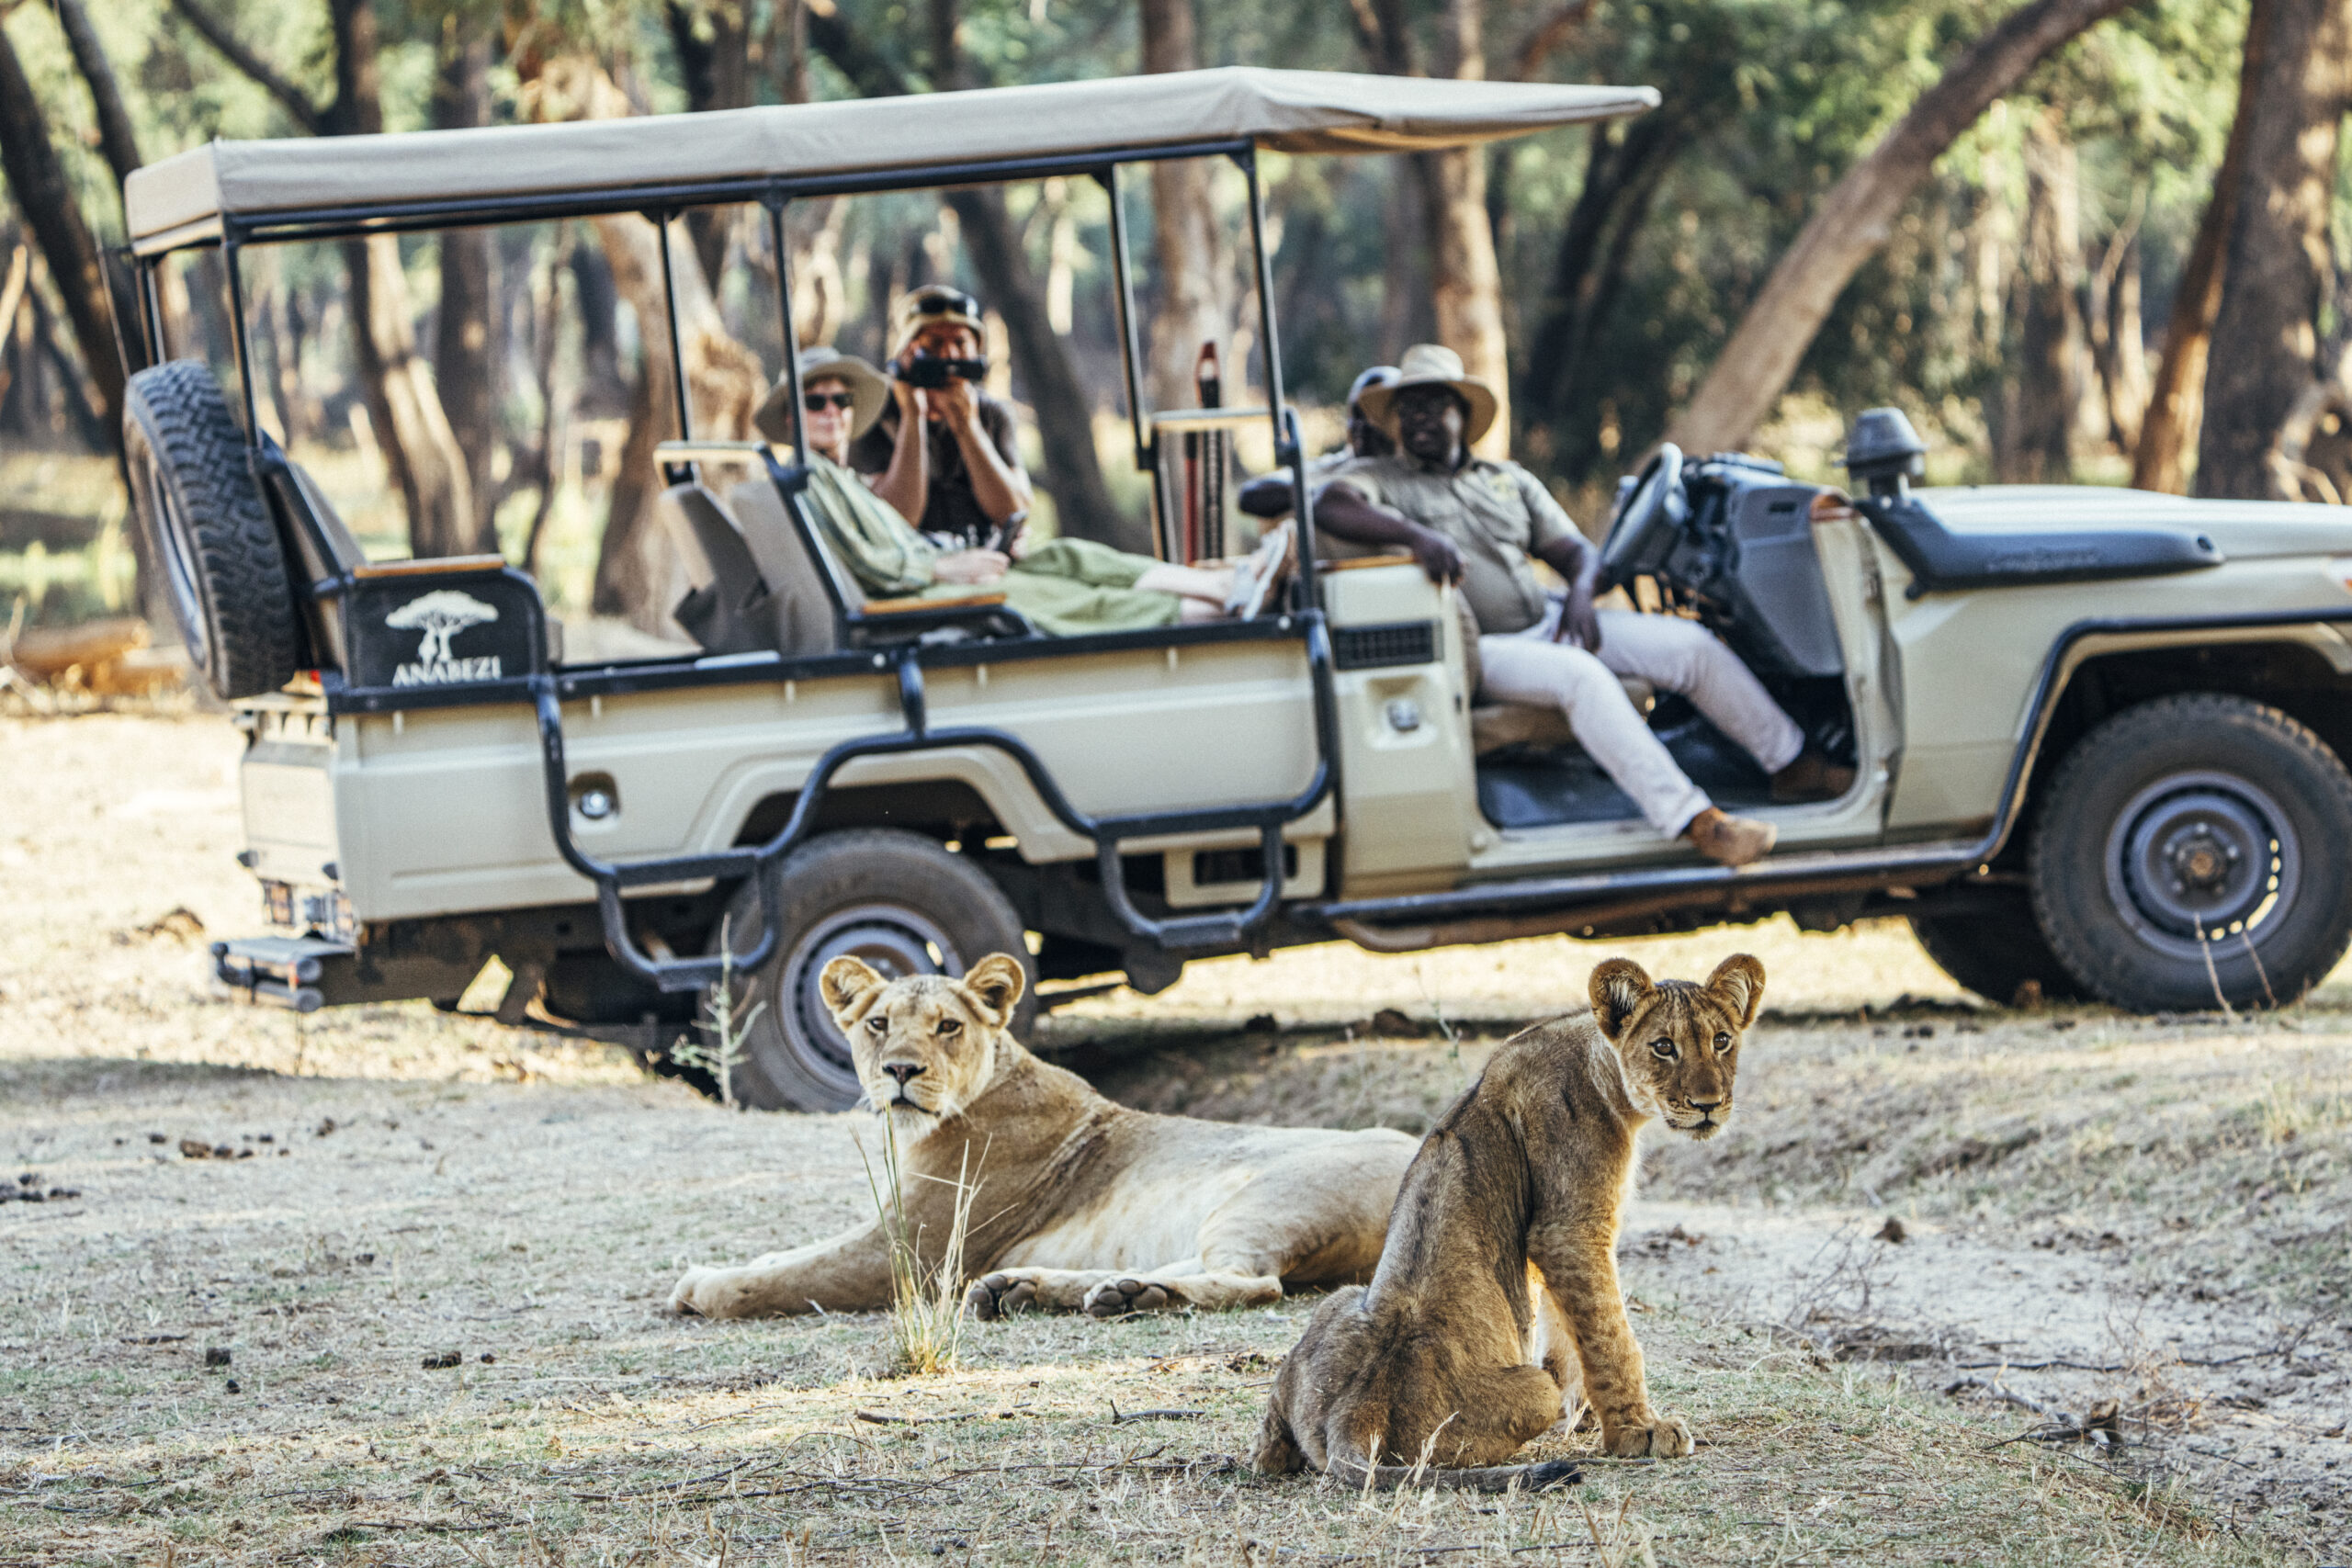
(301, 973)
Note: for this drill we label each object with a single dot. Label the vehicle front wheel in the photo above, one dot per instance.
(897, 901)
(1996, 949)
(2191, 850)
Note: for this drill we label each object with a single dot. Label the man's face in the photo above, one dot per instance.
(1366, 439)
(943, 340)
(1430, 422)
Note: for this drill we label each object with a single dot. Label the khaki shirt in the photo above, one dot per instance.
(1498, 514)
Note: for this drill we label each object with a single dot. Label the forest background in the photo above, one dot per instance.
(2078, 240)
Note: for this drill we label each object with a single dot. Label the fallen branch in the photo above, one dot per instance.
(1118, 1417)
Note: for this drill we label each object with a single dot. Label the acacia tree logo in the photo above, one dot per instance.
(440, 614)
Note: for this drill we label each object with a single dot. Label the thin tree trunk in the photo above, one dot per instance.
(1466, 283)
(1195, 299)
(2034, 445)
(465, 358)
(426, 462)
(2176, 402)
(38, 179)
(716, 70)
(1854, 219)
(116, 139)
(2265, 335)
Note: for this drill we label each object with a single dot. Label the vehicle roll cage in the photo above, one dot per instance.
(763, 864)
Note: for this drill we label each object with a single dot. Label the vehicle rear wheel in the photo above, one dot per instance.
(2190, 849)
(897, 901)
(223, 568)
(1995, 951)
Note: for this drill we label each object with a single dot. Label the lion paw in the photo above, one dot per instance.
(697, 1294)
(1661, 1436)
(1118, 1296)
(1000, 1295)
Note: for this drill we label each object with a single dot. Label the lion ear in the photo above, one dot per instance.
(996, 982)
(1738, 983)
(845, 985)
(1618, 988)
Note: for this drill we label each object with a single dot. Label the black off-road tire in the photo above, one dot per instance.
(899, 902)
(2202, 813)
(223, 568)
(1993, 951)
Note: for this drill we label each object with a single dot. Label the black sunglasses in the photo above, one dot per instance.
(817, 402)
(945, 302)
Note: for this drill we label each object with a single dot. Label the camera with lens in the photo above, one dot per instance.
(932, 373)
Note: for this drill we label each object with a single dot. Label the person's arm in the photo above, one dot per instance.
(1342, 511)
(906, 483)
(1268, 496)
(1556, 541)
(998, 483)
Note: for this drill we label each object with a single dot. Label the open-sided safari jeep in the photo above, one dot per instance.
(2096, 734)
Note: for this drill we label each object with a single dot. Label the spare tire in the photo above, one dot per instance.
(222, 565)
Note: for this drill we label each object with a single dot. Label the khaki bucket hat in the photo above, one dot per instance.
(1431, 365)
(865, 384)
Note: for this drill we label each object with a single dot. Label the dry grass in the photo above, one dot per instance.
(502, 1197)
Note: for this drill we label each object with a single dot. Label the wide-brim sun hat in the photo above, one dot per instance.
(1431, 365)
(866, 386)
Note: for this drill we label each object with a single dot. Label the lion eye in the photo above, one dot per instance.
(1723, 1041)
(951, 1026)
(1662, 1049)
(877, 1025)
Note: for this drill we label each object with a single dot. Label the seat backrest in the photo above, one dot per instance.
(805, 613)
(729, 609)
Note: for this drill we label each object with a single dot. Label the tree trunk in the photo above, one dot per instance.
(2112, 318)
(2033, 447)
(1854, 219)
(421, 450)
(117, 140)
(465, 357)
(1465, 282)
(1188, 251)
(2175, 403)
(716, 70)
(2279, 269)
(38, 179)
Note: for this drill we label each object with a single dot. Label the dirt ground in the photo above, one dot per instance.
(1932, 1232)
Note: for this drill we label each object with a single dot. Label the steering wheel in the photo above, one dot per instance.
(1649, 522)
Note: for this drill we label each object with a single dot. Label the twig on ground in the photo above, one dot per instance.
(1119, 1417)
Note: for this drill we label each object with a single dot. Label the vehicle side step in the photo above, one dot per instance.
(281, 970)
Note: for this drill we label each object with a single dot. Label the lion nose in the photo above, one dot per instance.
(1705, 1107)
(902, 1071)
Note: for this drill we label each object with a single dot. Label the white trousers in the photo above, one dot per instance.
(1671, 654)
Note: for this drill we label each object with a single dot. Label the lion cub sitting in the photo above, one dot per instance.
(1083, 1204)
(1499, 1282)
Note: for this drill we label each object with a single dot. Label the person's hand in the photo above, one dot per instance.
(1438, 556)
(959, 405)
(971, 565)
(910, 399)
(1579, 622)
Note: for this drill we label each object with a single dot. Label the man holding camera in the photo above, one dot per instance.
(944, 453)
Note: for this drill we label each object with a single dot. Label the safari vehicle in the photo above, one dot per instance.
(2096, 734)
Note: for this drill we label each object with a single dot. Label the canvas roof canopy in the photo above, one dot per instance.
(184, 199)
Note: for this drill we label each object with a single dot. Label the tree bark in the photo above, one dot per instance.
(1065, 416)
(716, 70)
(1188, 250)
(465, 358)
(2176, 402)
(38, 179)
(2279, 269)
(116, 139)
(2034, 445)
(1467, 283)
(1855, 218)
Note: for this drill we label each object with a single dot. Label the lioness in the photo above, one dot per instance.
(1498, 1281)
(1082, 1204)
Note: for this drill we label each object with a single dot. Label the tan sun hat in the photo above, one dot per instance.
(865, 384)
(1431, 365)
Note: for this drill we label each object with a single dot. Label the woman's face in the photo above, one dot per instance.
(825, 406)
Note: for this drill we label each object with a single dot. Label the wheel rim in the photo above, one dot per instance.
(896, 940)
(2199, 858)
(179, 572)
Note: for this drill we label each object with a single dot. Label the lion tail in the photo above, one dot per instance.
(1485, 1478)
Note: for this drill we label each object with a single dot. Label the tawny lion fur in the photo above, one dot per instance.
(1498, 1287)
(1082, 1205)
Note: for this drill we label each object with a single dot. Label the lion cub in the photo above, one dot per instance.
(1498, 1281)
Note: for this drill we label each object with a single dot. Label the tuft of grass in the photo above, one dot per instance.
(926, 1301)
(725, 1051)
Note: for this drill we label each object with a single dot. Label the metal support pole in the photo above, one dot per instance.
(238, 348)
(791, 329)
(1286, 446)
(677, 350)
(1123, 293)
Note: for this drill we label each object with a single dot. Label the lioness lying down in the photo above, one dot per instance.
(1082, 1204)
(1498, 1284)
